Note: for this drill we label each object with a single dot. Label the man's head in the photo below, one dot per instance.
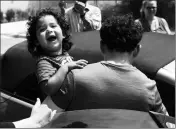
(120, 34)
(80, 6)
(83, 1)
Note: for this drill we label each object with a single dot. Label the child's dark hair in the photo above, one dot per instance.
(31, 31)
(121, 33)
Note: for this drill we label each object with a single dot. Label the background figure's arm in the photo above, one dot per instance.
(166, 26)
(86, 23)
(66, 15)
(94, 19)
(67, 18)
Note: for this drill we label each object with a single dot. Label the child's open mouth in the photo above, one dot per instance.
(51, 38)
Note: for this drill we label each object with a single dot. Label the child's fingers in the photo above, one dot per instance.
(79, 66)
(69, 59)
(81, 63)
(85, 61)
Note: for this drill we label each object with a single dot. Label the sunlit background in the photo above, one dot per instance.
(5, 5)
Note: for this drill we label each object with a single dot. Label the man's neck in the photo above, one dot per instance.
(118, 58)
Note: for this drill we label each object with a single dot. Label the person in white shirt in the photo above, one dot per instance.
(83, 17)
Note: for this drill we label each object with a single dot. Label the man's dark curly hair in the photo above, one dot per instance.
(121, 33)
(31, 31)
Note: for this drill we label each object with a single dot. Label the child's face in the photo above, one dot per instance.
(49, 35)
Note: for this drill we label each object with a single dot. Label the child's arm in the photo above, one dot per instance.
(54, 83)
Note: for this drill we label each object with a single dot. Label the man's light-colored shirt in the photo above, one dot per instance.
(93, 16)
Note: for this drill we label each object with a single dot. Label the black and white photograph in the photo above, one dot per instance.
(87, 64)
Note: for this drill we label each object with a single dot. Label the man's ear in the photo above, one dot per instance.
(136, 51)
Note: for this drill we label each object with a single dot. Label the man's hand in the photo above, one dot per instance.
(41, 114)
(76, 64)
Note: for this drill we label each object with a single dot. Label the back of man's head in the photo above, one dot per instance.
(121, 33)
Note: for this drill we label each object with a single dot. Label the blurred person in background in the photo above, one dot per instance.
(62, 5)
(83, 17)
(149, 21)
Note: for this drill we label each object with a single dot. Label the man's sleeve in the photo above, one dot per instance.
(7, 125)
(159, 106)
(44, 70)
(94, 18)
(63, 98)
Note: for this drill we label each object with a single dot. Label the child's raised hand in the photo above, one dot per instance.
(79, 64)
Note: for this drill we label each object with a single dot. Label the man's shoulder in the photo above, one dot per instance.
(143, 77)
(89, 68)
(93, 65)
